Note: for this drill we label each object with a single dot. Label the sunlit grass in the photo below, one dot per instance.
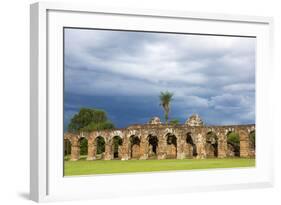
(84, 167)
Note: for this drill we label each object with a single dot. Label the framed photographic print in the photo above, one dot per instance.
(130, 102)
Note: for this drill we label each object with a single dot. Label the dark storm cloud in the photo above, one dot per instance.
(124, 72)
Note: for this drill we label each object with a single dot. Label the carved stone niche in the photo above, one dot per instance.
(194, 121)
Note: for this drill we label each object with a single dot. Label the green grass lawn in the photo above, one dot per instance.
(84, 167)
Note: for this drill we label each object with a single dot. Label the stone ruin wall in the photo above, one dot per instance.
(198, 148)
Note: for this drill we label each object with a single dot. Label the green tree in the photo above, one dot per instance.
(174, 122)
(234, 140)
(100, 145)
(166, 98)
(98, 126)
(88, 120)
(84, 146)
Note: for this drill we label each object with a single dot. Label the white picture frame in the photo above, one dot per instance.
(46, 162)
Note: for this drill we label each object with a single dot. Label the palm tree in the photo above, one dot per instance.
(166, 98)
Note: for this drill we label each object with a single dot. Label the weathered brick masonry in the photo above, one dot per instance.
(162, 141)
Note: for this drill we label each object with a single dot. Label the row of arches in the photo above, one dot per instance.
(171, 146)
(234, 143)
(134, 144)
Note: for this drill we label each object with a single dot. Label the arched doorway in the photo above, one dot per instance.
(134, 147)
(117, 142)
(211, 144)
(83, 148)
(100, 147)
(67, 149)
(252, 137)
(171, 147)
(152, 146)
(233, 144)
(190, 149)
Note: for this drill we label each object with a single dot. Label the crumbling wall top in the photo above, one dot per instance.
(194, 121)
(155, 121)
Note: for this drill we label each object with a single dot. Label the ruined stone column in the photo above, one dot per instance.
(161, 150)
(189, 151)
(144, 147)
(75, 149)
(108, 150)
(180, 147)
(124, 151)
(222, 145)
(91, 149)
(244, 144)
(200, 146)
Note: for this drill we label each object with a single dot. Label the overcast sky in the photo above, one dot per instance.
(124, 72)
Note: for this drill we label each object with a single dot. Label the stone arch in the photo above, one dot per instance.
(171, 146)
(99, 144)
(75, 147)
(211, 145)
(66, 147)
(169, 131)
(152, 145)
(73, 139)
(115, 133)
(233, 143)
(252, 138)
(190, 147)
(134, 147)
(116, 145)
